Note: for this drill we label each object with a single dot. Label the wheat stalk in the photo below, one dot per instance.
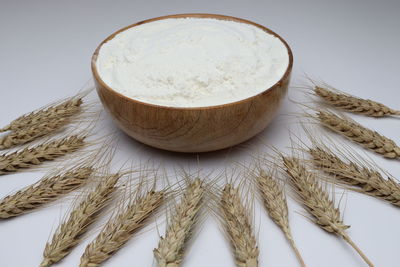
(354, 104)
(65, 109)
(171, 248)
(120, 229)
(359, 134)
(69, 233)
(275, 203)
(33, 156)
(238, 228)
(317, 202)
(43, 192)
(358, 178)
(31, 133)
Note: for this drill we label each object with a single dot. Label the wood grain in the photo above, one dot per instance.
(193, 129)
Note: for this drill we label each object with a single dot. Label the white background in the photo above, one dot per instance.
(45, 51)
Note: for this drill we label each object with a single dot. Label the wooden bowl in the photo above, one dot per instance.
(193, 129)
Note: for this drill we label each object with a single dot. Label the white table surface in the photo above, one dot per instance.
(45, 51)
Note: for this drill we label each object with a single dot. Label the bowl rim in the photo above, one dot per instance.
(192, 15)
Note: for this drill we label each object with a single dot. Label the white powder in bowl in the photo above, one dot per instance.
(192, 62)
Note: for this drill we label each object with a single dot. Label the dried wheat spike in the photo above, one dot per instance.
(358, 178)
(238, 228)
(70, 232)
(43, 192)
(31, 133)
(120, 229)
(314, 198)
(33, 156)
(65, 109)
(275, 203)
(171, 248)
(359, 134)
(317, 202)
(354, 104)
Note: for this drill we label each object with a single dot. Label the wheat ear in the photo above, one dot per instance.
(354, 104)
(275, 203)
(70, 233)
(65, 109)
(171, 248)
(358, 178)
(31, 133)
(359, 134)
(33, 156)
(238, 228)
(43, 192)
(317, 202)
(120, 229)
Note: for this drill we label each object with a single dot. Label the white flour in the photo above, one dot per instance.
(192, 62)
